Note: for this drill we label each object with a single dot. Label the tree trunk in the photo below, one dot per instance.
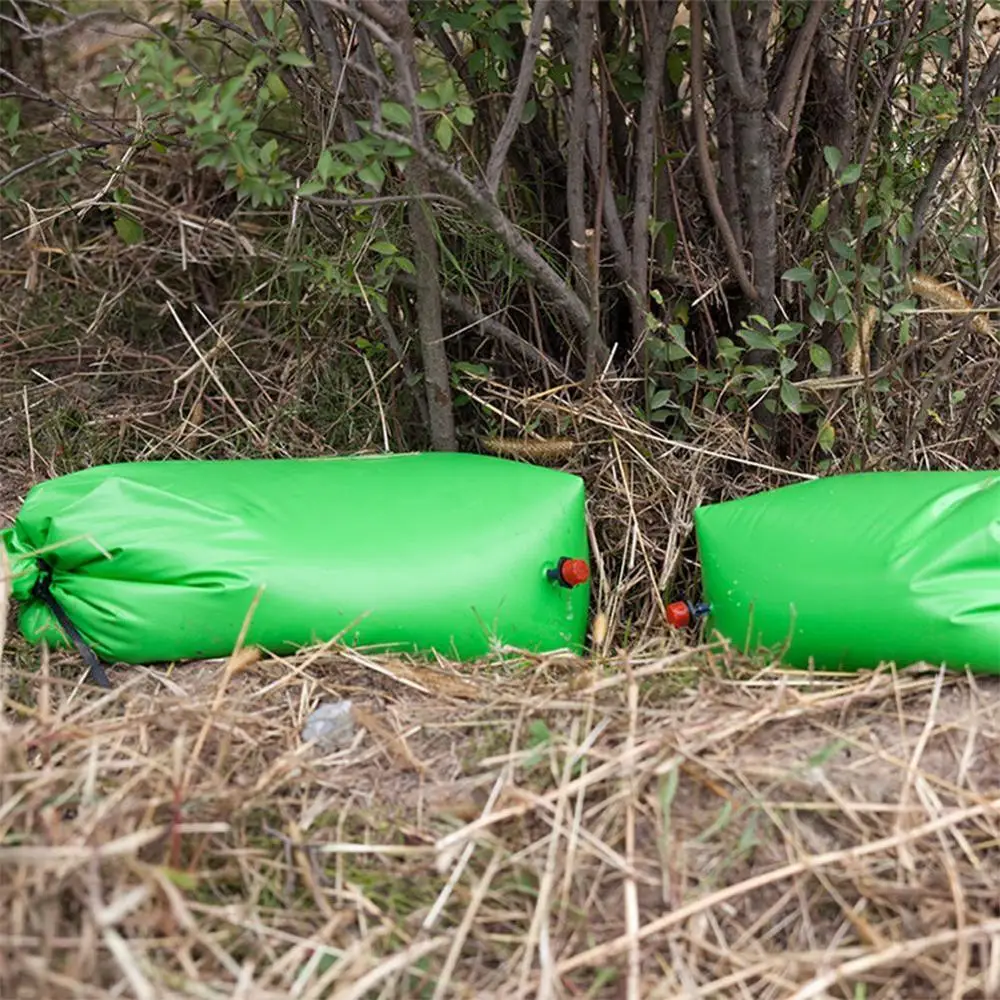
(741, 49)
(427, 262)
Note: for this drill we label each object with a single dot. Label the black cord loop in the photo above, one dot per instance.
(43, 592)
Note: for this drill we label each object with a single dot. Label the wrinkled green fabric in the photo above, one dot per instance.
(855, 570)
(163, 561)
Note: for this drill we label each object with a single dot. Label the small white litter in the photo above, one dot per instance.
(331, 726)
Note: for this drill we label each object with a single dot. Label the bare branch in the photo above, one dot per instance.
(221, 24)
(950, 144)
(30, 33)
(609, 207)
(886, 89)
(576, 167)
(498, 331)
(384, 13)
(320, 19)
(380, 19)
(481, 204)
(725, 142)
(655, 45)
(704, 158)
(525, 78)
(40, 161)
(729, 50)
(794, 77)
(373, 24)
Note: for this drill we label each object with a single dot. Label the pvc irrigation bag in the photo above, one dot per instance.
(164, 561)
(851, 571)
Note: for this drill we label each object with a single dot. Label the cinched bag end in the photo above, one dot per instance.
(30, 584)
(22, 565)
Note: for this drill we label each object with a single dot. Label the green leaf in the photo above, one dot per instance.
(446, 91)
(676, 64)
(324, 165)
(841, 306)
(384, 247)
(851, 174)
(817, 310)
(295, 59)
(372, 174)
(129, 230)
(833, 156)
(530, 110)
(276, 87)
(895, 254)
(791, 396)
(841, 249)
(756, 340)
(872, 222)
(827, 435)
(759, 384)
(428, 100)
(798, 274)
(471, 368)
(785, 333)
(444, 133)
(660, 399)
(820, 358)
(310, 187)
(507, 15)
(395, 113)
(465, 115)
(819, 215)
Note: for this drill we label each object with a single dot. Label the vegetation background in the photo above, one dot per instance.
(686, 249)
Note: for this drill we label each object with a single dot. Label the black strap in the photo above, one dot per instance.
(43, 591)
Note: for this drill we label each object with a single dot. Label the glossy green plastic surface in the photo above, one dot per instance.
(163, 561)
(856, 570)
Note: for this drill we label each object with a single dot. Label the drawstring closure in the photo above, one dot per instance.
(43, 592)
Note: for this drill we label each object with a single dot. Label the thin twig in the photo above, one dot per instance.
(525, 80)
(706, 170)
(949, 146)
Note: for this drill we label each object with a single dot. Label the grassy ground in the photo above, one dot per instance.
(653, 820)
(658, 824)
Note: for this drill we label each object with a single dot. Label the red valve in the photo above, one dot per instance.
(574, 572)
(678, 614)
(569, 572)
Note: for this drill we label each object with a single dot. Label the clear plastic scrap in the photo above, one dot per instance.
(330, 726)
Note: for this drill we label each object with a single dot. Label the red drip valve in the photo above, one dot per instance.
(570, 572)
(680, 614)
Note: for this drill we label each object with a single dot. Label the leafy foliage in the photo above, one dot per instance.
(313, 120)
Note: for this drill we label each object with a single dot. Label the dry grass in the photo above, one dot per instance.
(658, 820)
(594, 828)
